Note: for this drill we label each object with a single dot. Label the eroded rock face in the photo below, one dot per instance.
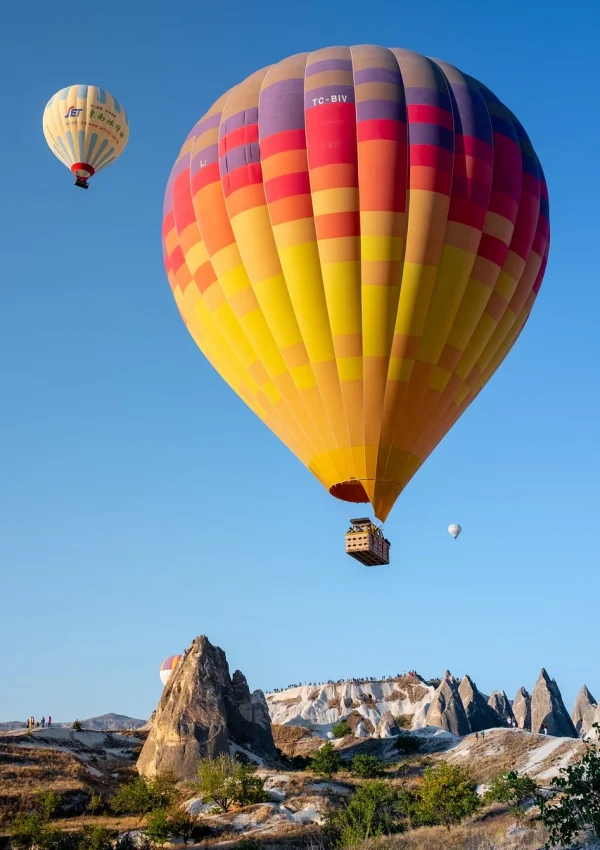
(501, 705)
(201, 711)
(522, 709)
(584, 710)
(446, 710)
(479, 714)
(387, 727)
(548, 709)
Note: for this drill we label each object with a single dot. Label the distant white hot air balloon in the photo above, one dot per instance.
(454, 530)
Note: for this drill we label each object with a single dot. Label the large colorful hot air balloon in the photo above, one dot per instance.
(86, 128)
(355, 238)
(167, 667)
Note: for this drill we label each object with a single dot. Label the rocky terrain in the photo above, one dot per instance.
(204, 711)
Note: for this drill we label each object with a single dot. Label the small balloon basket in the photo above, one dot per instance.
(366, 543)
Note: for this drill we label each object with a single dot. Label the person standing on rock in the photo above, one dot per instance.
(43, 722)
(49, 721)
(482, 734)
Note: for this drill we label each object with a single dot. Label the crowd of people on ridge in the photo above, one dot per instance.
(356, 681)
(40, 724)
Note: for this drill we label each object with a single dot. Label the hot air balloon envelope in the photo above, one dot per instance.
(355, 238)
(167, 667)
(86, 128)
(454, 530)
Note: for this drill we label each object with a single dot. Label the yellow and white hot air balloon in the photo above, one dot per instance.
(454, 530)
(86, 128)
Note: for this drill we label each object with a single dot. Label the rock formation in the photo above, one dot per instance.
(547, 708)
(479, 714)
(501, 705)
(522, 709)
(584, 710)
(201, 711)
(446, 709)
(387, 727)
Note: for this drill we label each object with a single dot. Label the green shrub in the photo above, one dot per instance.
(575, 805)
(404, 721)
(326, 761)
(407, 744)
(371, 812)
(341, 729)
(141, 796)
(248, 788)
(513, 788)
(157, 827)
(77, 726)
(28, 830)
(97, 838)
(447, 794)
(48, 803)
(95, 805)
(225, 781)
(367, 767)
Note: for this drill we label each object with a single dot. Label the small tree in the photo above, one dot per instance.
(341, 729)
(248, 788)
(217, 780)
(367, 767)
(98, 838)
(371, 812)
(77, 726)
(575, 806)
(48, 803)
(326, 761)
(140, 797)
(447, 795)
(513, 788)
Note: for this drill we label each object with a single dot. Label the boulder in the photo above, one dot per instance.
(522, 709)
(548, 709)
(584, 710)
(201, 712)
(480, 715)
(501, 705)
(446, 710)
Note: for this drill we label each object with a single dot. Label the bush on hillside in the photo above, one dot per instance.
(447, 794)
(372, 811)
(47, 803)
(141, 796)
(341, 729)
(513, 788)
(224, 781)
(77, 726)
(326, 761)
(367, 767)
(575, 805)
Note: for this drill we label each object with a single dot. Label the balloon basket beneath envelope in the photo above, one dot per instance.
(366, 543)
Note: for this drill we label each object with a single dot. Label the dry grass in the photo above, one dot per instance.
(355, 718)
(395, 696)
(480, 834)
(295, 740)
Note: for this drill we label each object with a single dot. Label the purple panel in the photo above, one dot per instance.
(369, 110)
(326, 93)
(378, 75)
(240, 119)
(208, 123)
(281, 107)
(239, 156)
(430, 134)
(204, 157)
(471, 117)
(428, 97)
(180, 166)
(329, 65)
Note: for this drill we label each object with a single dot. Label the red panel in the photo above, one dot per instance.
(288, 140)
(423, 114)
(287, 185)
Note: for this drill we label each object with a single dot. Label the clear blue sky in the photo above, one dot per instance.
(136, 490)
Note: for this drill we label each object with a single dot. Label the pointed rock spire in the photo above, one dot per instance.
(446, 709)
(479, 714)
(501, 705)
(522, 709)
(548, 709)
(585, 706)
